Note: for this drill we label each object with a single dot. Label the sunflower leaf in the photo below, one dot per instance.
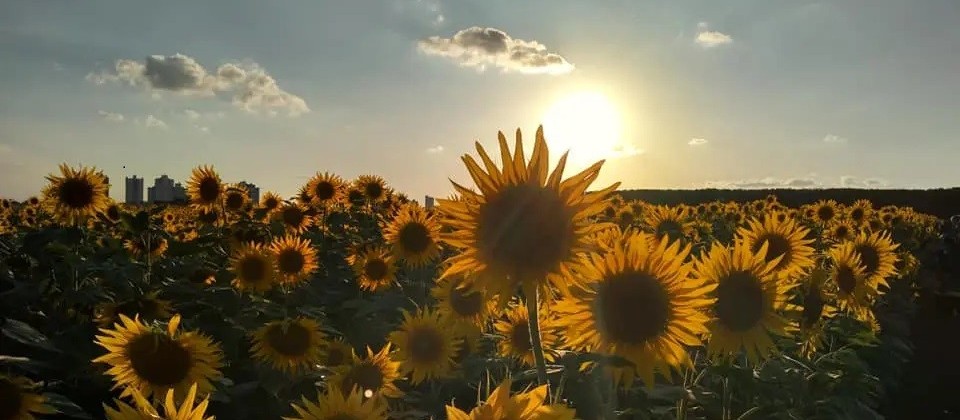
(22, 332)
(65, 406)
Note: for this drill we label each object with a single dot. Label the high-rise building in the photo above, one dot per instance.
(165, 190)
(252, 190)
(133, 190)
(428, 202)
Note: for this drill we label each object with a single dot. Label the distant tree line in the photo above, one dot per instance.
(943, 202)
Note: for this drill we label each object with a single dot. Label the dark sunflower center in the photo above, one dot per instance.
(812, 307)
(234, 201)
(632, 308)
(857, 214)
(158, 359)
(292, 341)
(846, 280)
(777, 245)
(373, 190)
(364, 376)
(11, 400)
(426, 345)
(113, 213)
(336, 356)
(739, 301)
(610, 212)
(375, 269)
(208, 216)
(669, 227)
(415, 238)
(290, 261)
(520, 337)
(825, 213)
(781, 217)
(292, 216)
(869, 257)
(271, 203)
(209, 189)
(464, 301)
(324, 190)
(525, 229)
(627, 218)
(33, 201)
(253, 269)
(841, 231)
(76, 193)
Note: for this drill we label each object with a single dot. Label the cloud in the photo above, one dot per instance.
(154, 122)
(709, 39)
(483, 47)
(248, 85)
(848, 181)
(111, 116)
(625, 150)
(697, 142)
(435, 149)
(808, 181)
(191, 114)
(835, 139)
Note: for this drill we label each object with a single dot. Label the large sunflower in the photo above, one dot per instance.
(18, 401)
(460, 304)
(295, 257)
(524, 228)
(855, 289)
(152, 360)
(528, 405)
(294, 217)
(425, 345)
(373, 375)
(325, 189)
(637, 302)
(253, 266)
(76, 194)
(205, 189)
(375, 268)
(514, 326)
(878, 254)
(373, 187)
(340, 405)
(144, 410)
(786, 242)
(749, 294)
(413, 234)
(290, 345)
(672, 222)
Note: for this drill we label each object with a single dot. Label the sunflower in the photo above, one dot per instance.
(294, 217)
(860, 211)
(153, 360)
(270, 202)
(204, 188)
(295, 258)
(637, 302)
(75, 194)
(878, 254)
(326, 188)
(839, 231)
(626, 217)
(235, 198)
(469, 336)
(290, 345)
(147, 307)
(19, 402)
(375, 268)
(113, 212)
(413, 234)
(855, 289)
(816, 309)
(460, 304)
(374, 374)
(253, 266)
(825, 211)
(528, 405)
(668, 221)
(144, 410)
(425, 345)
(749, 293)
(150, 244)
(515, 329)
(524, 228)
(373, 187)
(786, 243)
(209, 216)
(336, 353)
(340, 405)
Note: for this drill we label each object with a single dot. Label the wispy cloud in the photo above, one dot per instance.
(709, 39)
(848, 181)
(481, 48)
(248, 85)
(435, 149)
(806, 181)
(625, 150)
(697, 142)
(835, 139)
(191, 114)
(153, 122)
(111, 116)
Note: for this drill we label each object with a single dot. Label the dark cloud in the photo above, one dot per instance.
(482, 47)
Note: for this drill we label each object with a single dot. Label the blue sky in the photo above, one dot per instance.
(734, 93)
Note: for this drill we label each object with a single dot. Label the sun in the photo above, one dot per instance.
(587, 124)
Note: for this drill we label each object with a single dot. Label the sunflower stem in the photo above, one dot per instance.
(534, 324)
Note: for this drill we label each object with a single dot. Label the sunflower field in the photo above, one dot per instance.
(525, 295)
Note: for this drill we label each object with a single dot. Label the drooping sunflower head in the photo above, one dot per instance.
(878, 254)
(638, 302)
(786, 242)
(75, 194)
(153, 360)
(336, 404)
(253, 267)
(205, 189)
(294, 217)
(514, 328)
(426, 345)
(749, 295)
(375, 268)
(373, 375)
(524, 227)
(290, 345)
(326, 188)
(856, 290)
(19, 400)
(148, 307)
(373, 187)
(459, 303)
(413, 234)
(295, 257)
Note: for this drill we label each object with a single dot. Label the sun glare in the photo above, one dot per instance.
(587, 123)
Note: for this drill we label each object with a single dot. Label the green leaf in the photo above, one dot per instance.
(65, 406)
(22, 332)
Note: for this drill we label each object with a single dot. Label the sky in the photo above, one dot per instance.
(672, 94)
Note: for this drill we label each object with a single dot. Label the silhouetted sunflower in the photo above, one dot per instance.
(786, 242)
(235, 198)
(336, 404)
(425, 346)
(19, 401)
(326, 189)
(294, 217)
(144, 410)
(413, 234)
(270, 202)
(373, 187)
(146, 244)
(204, 188)
(514, 327)
(524, 228)
(76, 194)
(153, 360)
(253, 267)
(637, 302)
(749, 295)
(289, 345)
(373, 375)
(295, 257)
(375, 268)
(147, 307)
(460, 304)
(527, 405)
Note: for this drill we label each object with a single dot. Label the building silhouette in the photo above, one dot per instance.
(133, 190)
(253, 191)
(165, 190)
(428, 202)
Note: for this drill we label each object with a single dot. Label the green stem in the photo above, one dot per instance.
(534, 324)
